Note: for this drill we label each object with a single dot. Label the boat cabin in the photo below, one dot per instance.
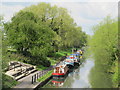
(60, 70)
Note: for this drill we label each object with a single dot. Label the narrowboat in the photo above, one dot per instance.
(80, 52)
(77, 55)
(75, 59)
(60, 70)
(69, 61)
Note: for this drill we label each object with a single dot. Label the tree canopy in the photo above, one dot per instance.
(38, 30)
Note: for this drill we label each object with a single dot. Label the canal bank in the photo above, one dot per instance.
(62, 62)
(37, 79)
(79, 78)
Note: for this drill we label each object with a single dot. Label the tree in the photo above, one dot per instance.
(41, 29)
(104, 44)
(59, 20)
(29, 37)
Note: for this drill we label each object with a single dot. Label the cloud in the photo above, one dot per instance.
(88, 14)
(9, 11)
(85, 14)
(60, 0)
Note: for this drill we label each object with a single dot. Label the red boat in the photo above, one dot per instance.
(60, 71)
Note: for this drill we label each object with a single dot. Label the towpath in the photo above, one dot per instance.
(26, 82)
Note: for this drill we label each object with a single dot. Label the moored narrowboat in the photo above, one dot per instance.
(80, 52)
(72, 63)
(74, 58)
(77, 55)
(60, 71)
(69, 61)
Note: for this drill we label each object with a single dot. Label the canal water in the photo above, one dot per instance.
(79, 78)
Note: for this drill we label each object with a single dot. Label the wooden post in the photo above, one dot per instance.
(32, 79)
(35, 78)
(37, 75)
(41, 73)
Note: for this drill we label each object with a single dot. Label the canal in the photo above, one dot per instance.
(79, 78)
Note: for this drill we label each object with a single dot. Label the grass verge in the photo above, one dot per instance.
(54, 59)
(41, 67)
(47, 75)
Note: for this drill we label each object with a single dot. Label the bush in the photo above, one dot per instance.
(8, 82)
(46, 63)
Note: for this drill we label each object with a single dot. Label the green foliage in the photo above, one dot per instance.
(41, 67)
(41, 30)
(38, 32)
(116, 76)
(28, 37)
(8, 82)
(1, 49)
(58, 19)
(104, 44)
(52, 60)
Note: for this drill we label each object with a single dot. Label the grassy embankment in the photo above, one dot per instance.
(47, 75)
(54, 59)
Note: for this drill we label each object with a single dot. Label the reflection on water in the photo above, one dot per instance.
(76, 79)
(56, 82)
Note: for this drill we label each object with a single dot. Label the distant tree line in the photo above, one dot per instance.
(104, 44)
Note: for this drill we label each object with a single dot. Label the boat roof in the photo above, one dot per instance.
(61, 64)
(72, 59)
(76, 54)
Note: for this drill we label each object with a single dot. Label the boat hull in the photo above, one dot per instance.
(76, 64)
(70, 66)
(58, 74)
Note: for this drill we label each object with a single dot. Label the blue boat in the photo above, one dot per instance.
(75, 54)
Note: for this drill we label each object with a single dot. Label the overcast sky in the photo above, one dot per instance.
(86, 13)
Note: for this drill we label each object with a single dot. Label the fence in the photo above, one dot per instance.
(39, 74)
